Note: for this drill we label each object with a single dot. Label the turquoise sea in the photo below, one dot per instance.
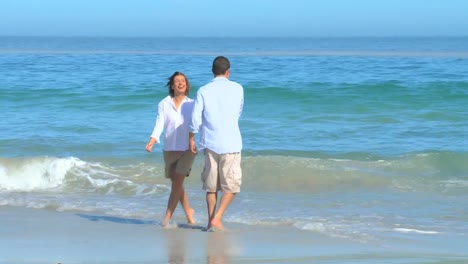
(361, 139)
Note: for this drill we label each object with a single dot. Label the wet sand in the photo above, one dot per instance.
(47, 236)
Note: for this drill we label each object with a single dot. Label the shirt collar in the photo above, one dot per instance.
(220, 79)
(169, 98)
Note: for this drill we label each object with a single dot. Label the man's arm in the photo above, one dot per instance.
(196, 121)
(193, 146)
(197, 114)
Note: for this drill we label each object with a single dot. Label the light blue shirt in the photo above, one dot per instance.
(216, 113)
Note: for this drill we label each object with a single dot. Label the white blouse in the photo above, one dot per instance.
(175, 123)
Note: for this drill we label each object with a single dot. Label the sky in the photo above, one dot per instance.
(234, 18)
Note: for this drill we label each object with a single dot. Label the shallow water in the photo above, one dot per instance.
(358, 139)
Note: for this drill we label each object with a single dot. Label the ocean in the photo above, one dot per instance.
(360, 139)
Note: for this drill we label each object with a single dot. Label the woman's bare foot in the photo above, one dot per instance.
(165, 223)
(189, 214)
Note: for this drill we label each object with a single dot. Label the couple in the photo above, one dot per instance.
(215, 114)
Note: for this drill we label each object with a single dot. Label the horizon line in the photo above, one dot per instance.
(340, 53)
(191, 37)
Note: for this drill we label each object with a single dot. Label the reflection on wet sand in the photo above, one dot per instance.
(183, 245)
(219, 248)
(176, 246)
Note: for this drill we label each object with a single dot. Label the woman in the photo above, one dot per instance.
(174, 117)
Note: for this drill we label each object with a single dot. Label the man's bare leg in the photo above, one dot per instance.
(217, 220)
(211, 199)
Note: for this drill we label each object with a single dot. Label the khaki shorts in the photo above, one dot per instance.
(222, 172)
(178, 162)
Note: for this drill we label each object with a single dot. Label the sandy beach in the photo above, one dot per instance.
(39, 236)
(42, 236)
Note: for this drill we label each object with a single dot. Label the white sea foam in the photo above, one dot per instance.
(456, 183)
(35, 173)
(410, 230)
(339, 230)
(317, 227)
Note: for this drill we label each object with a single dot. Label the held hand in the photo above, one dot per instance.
(193, 147)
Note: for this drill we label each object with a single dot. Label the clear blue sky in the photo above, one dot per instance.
(192, 18)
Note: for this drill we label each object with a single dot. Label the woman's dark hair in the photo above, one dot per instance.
(220, 65)
(171, 82)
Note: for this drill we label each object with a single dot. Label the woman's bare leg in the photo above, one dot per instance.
(189, 212)
(177, 191)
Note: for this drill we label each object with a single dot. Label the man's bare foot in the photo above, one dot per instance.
(189, 214)
(215, 225)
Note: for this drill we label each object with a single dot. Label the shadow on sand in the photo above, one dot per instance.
(132, 221)
(119, 220)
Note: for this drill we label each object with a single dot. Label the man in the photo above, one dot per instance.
(216, 113)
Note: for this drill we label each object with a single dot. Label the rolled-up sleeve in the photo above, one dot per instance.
(159, 125)
(242, 103)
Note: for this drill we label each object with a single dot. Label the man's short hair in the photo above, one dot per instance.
(220, 65)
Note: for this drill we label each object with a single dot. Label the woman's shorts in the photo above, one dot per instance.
(178, 162)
